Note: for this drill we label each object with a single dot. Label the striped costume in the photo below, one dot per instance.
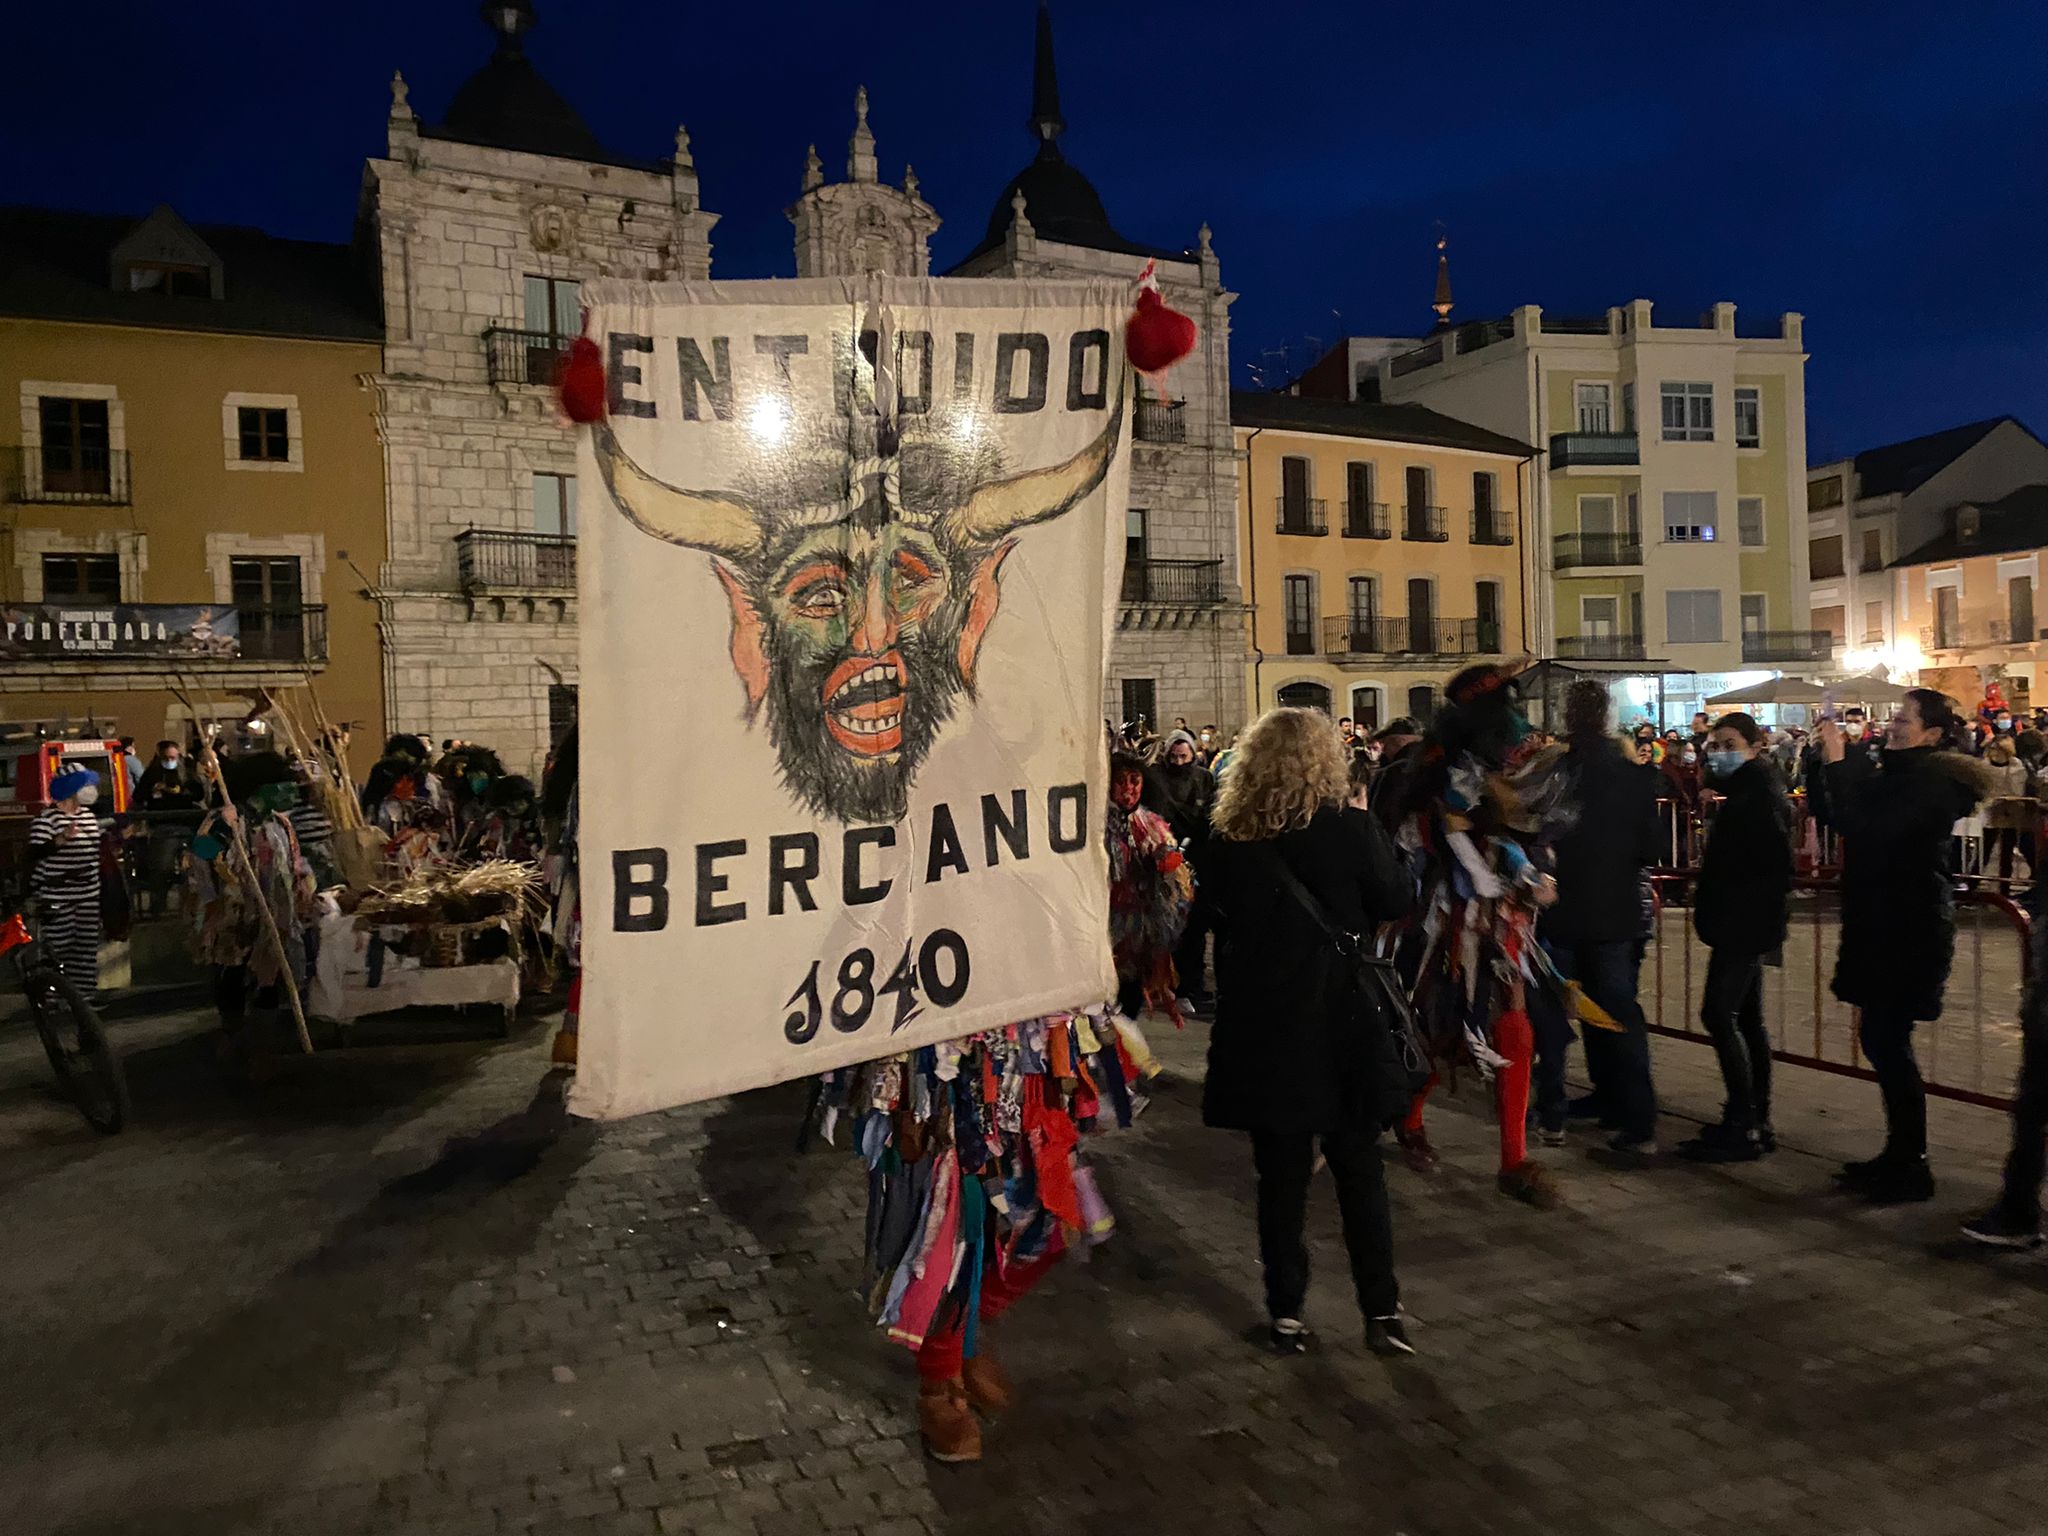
(67, 880)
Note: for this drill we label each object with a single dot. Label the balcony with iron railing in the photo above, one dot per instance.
(1491, 525)
(93, 477)
(1160, 421)
(1367, 520)
(1582, 551)
(1174, 583)
(1425, 525)
(2019, 631)
(1600, 648)
(505, 560)
(1413, 635)
(283, 632)
(1603, 449)
(524, 357)
(1306, 515)
(1810, 645)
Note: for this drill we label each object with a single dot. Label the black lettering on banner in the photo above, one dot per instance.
(785, 875)
(710, 883)
(782, 349)
(1056, 835)
(1079, 397)
(946, 850)
(944, 941)
(619, 373)
(628, 887)
(1013, 830)
(963, 364)
(917, 401)
(1037, 353)
(854, 1002)
(902, 985)
(846, 374)
(853, 885)
(802, 1025)
(714, 379)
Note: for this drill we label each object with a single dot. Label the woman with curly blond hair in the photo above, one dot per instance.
(1294, 1054)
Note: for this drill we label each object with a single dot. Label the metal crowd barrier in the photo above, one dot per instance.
(1971, 1053)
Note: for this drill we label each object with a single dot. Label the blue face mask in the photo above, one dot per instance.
(1722, 765)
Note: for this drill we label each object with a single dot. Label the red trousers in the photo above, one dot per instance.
(943, 1352)
(1515, 1038)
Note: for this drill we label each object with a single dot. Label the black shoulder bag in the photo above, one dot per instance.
(1403, 1064)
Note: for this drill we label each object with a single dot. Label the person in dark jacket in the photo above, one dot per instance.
(1182, 791)
(1898, 914)
(1740, 909)
(1294, 1054)
(1592, 933)
(2014, 1221)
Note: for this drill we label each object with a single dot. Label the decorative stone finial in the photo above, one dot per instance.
(683, 160)
(400, 91)
(814, 169)
(860, 149)
(909, 180)
(1202, 240)
(1018, 221)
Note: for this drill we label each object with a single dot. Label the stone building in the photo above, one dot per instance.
(484, 225)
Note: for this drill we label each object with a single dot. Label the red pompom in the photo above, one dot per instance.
(1157, 337)
(581, 381)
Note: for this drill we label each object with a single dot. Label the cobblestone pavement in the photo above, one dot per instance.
(398, 1291)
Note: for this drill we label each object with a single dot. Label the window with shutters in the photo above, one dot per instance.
(1749, 418)
(1693, 617)
(1824, 557)
(1689, 517)
(1749, 521)
(80, 578)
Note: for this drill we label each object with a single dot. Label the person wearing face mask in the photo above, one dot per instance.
(64, 875)
(1740, 911)
(1898, 915)
(1181, 790)
(2013, 813)
(167, 785)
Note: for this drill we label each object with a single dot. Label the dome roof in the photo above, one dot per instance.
(1061, 204)
(507, 105)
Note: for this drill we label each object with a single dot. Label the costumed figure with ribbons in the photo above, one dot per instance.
(409, 805)
(1151, 890)
(1479, 832)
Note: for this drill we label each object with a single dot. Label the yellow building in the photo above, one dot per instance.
(192, 476)
(1382, 549)
(1965, 601)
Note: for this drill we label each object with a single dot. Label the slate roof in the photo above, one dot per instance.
(1398, 423)
(2010, 525)
(55, 265)
(1904, 467)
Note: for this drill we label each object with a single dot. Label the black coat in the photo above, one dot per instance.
(1741, 896)
(1292, 1049)
(1601, 860)
(1183, 796)
(1859, 762)
(1898, 905)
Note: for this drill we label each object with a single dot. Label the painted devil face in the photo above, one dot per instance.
(859, 613)
(1126, 789)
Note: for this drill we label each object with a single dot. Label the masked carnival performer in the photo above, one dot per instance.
(408, 804)
(64, 874)
(1479, 833)
(976, 1184)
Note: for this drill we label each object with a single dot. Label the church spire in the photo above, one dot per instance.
(511, 20)
(1046, 121)
(860, 149)
(1442, 303)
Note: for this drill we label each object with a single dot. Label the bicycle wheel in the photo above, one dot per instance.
(80, 1054)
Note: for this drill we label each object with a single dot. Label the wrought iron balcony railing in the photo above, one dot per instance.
(1367, 520)
(1600, 648)
(1575, 551)
(47, 476)
(1161, 421)
(1786, 644)
(504, 559)
(1303, 515)
(1424, 525)
(1492, 525)
(284, 632)
(1175, 583)
(1413, 635)
(524, 357)
(1598, 448)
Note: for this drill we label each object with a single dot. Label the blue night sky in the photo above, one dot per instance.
(1877, 166)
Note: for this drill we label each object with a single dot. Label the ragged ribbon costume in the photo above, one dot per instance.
(1478, 825)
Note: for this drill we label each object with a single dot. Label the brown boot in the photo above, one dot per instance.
(1530, 1183)
(988, 1389)
(951, 1432)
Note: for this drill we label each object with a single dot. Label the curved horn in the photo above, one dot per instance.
(693, 519)
(1041, 494)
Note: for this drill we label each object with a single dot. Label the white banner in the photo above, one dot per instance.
(843, 642)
